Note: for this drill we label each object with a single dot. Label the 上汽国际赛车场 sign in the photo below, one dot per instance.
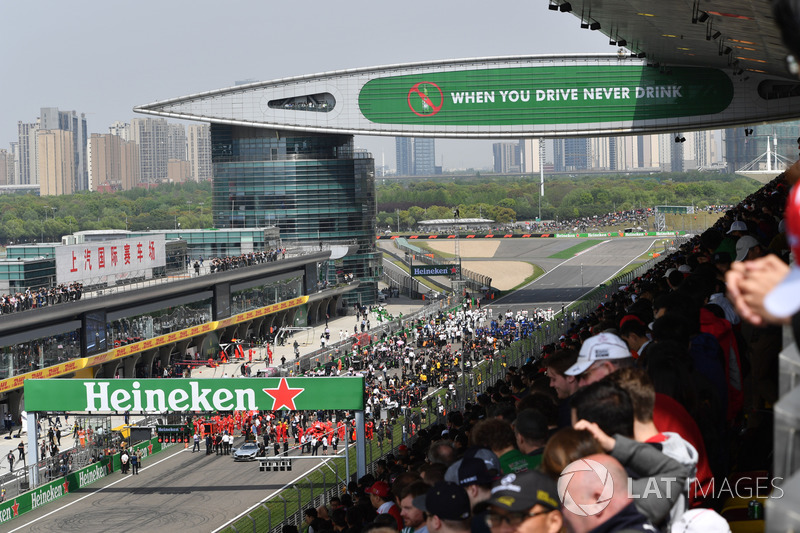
(194, 395)
(566, 94)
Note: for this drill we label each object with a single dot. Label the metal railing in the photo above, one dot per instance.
(472, 280)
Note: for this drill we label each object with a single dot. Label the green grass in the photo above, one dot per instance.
(572, 250)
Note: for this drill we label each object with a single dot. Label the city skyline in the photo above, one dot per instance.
(114, 78)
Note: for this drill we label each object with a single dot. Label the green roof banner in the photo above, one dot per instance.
(194, 395)
(568, 94)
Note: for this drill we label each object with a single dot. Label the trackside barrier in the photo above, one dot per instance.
(49, 492)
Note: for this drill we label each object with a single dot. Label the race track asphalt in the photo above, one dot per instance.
(176, 491)
(566, 280)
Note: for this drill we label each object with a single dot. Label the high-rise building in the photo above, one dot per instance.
(198, 142)
(28, 163)
(576, 154)
(15, 170)
(115, 162)
(506, 157)
(404, 155)
(176, 142)
(151, 136)
(313, 187)
(424, 156)
(529, 156)
(6, 167)
(52, 119)
(122, 130)
(56, 162)
(178, 171)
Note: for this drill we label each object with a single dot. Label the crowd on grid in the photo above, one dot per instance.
(642, 417)
(221, 264)
(43, 297)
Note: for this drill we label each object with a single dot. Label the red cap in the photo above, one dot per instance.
(379, 488)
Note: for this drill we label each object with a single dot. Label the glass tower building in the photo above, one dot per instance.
(314, 187)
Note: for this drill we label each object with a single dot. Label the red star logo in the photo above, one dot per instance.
(453, 270)
(283, 395)
(15, 507)
(66, 487)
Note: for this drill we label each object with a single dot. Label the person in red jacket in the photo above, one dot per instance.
(381, 498)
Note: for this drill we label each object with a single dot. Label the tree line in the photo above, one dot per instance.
(31, 218)
(509, 199)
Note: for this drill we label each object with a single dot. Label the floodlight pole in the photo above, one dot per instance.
(33, 449)
(541, 177)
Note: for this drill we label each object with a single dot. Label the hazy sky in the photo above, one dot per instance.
(103, 58)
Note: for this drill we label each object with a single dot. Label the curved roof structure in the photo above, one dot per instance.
(506, 97)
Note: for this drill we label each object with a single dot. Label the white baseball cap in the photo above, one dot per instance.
(738, 225)
(602, 347)
(700, 521)
(743, 246)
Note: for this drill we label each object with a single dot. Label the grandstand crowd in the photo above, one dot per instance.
(221, 264)
(651, 413)
(43, 297)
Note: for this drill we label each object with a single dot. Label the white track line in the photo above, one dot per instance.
(262, 502)
(91, 494)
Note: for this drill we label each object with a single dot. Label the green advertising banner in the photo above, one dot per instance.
(73, 481)
(568, 94)
(193, 395)
(434, 270)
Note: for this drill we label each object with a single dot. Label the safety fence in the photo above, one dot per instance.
(328, 480)
(72, 480)
(73, 458)
(472, 280)
(396, 277)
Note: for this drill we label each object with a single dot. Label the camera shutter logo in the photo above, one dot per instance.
(585, 508)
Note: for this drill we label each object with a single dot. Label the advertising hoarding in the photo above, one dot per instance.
(545, 95)
(110, 260)
(194, 395)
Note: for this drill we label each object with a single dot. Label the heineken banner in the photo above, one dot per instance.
(193, 395)
(434, 270)
(567, 94)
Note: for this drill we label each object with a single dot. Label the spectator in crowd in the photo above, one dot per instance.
(531, 432)
(498, 436)
(381, 499)
(413, 518)
(527, 502)
(617, 513)
(447, 508)
(600, 356)
(565, 386)
(604, 409)
(566, 446)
